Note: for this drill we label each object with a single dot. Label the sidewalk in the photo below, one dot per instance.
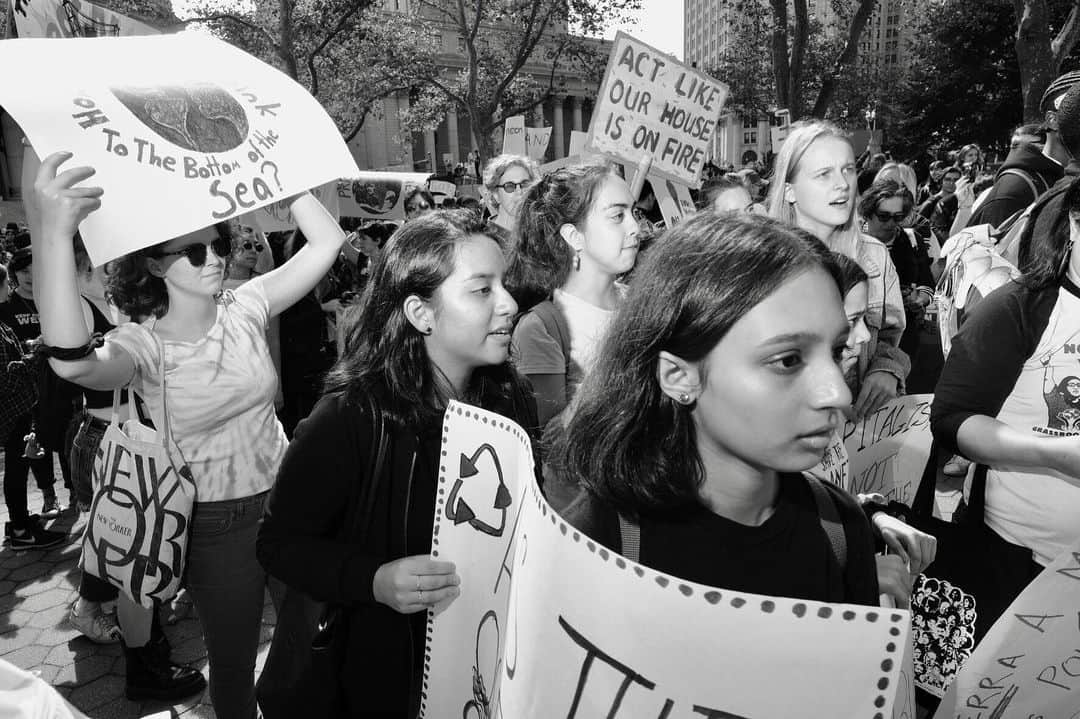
(36, 589)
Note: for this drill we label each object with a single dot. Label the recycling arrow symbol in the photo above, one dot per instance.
(486, 488)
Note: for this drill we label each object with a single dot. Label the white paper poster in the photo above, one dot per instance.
(73, 18)
(277, 216)
(536, 141)
(652, 104)
(1028, 664)
(183, 130)
(378, 195)
(514, 135)
(889, 448)
(584, 632)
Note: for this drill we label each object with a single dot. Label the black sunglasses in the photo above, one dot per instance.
(251, 245)
(196, 253)
(512, 187)
(896, 217)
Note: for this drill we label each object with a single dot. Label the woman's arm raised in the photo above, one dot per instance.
(55, 207)
(294, 279)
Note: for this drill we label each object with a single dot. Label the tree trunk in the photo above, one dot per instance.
(286, 49)
(1039, 56)
(847, 56)
(798, 54)
(780, 62)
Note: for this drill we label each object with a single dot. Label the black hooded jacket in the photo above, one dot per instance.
(1012, 192)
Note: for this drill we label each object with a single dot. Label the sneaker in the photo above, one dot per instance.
(95, 625)
(51, 508)
(33, 536)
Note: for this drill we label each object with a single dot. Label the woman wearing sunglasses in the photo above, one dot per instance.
(221, 386)
(506, 179)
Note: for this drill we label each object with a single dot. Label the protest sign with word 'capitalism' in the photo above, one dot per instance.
(652, 104)
(182, 130)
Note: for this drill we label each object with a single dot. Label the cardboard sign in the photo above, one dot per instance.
(74, 18)
(486, 463)
(278, 216)
(378, 195)
(889, 448)
(583, 632)
(442, 188)
(183, 130)
(536, 141)
(1028, 664)
(650, 103)
(514, 135)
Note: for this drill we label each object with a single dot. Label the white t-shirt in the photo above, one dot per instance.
(220, 395)
(537, 352)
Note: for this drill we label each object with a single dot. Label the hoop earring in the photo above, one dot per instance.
(577, 260)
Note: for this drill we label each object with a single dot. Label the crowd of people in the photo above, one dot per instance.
(680, 383)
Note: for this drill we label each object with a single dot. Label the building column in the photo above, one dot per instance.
(430, 149)
(578, 102)
(538, 116)
(452, 131)
(557, 125)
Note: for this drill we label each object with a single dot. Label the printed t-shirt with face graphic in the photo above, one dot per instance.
(1016, 358)
(220, 395)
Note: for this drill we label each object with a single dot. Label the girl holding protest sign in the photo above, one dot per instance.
(814, 188)
(717, 384)
(577, 237)
(221, 387)
(434, 325)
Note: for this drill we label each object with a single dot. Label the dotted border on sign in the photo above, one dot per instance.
(456, 412)
(711, 596)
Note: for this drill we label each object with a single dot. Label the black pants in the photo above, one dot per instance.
(1007, 570)
(17, 471)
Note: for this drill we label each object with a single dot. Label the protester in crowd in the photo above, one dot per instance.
(5, 288)
(1032, 134)
(23, 456)
(716, 385)
(971, 161)
(813, 188)
(646, 209)
(221, 388)
(870, 170)
(855, 292)
(940, 209)
(1025, 175)
(506, 179)
(904, 175)
(932, 186)
(434, 325)
(417, 202)
(577, 237)
(727, 193)
(990, 406)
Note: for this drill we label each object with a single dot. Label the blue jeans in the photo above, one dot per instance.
(227, 584)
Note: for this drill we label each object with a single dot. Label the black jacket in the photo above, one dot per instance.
(299, 539)
(1011, 192)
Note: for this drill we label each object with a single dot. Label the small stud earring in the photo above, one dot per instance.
(684, 398)
(426, 331)
(577, 260)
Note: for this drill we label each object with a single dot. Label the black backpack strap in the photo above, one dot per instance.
(630, 535)
(358, 519)
(555, 325)
(829, 515)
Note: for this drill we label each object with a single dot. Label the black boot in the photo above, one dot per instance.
(151, 674)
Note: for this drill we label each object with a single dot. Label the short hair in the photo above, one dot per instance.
(849, 273)
(901, 173)
(628, 443)
(884, 190)
(718, 186)
(497, 167)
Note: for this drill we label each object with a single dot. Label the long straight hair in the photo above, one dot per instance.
(627, 442)
(844, 238)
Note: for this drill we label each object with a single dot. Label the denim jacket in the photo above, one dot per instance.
(884, 315)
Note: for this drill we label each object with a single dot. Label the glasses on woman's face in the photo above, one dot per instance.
(421, 207)
(512, 187)
(196, 252)
(250, 246)
(885, 217)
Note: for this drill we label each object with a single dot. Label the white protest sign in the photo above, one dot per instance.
(834, 465)
(889, 448)
(578, 139)
(591, 634)
(536, 141)
(183, 130)
(377, 195)
(1028, 664)
(486, 462)
(73, 18)
(551, 624)
(277, 216)
(514, 135)
(650, 103)
(442, 188)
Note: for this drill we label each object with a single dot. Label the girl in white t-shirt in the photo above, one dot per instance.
(220, 383)
(577, 236)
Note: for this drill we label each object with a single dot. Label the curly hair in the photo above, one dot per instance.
(540, 259)
(497, 167)
(134, 290)
(384, 354)
(628, 443)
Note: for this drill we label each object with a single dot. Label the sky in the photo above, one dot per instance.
(660, 24)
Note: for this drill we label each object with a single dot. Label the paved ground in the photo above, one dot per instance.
(36, 589)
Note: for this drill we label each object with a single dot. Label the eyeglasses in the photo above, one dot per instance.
(250, 246)
(196, 253)
(896, 217)
(512, 187)
(419, 208)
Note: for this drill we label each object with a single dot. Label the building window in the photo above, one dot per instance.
(749, 137)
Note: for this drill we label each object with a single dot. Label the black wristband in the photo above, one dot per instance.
(69, 354)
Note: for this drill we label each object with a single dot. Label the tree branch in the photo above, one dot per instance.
(354, 8)
(232, 18)
(844, 59)
(1062, 45)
